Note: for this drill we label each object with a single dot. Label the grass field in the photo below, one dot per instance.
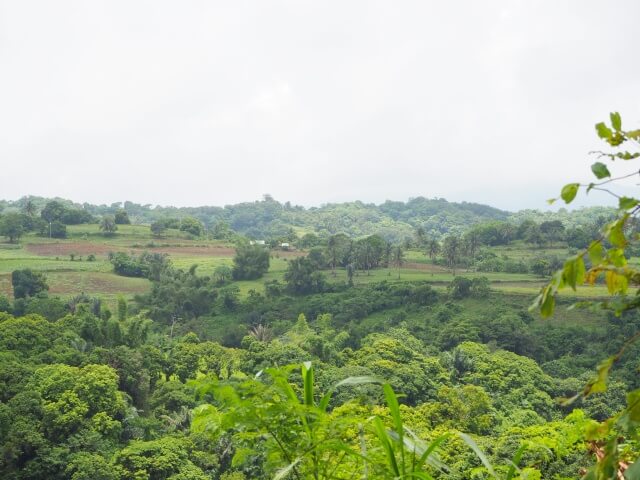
(68, 277)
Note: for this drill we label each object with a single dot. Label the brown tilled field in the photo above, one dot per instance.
(64, 249)
(426, 267)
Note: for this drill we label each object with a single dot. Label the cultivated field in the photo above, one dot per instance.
(69, 271)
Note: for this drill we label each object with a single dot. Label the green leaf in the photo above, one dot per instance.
(616, 121)
(596, 252)
(551, 201)
(600, 170)
(627, 203)
(603, 131)
(394, 409)
(627, 155)
(386, 445)
(284, 472)
(569, 192)
(515, 461)
(599, 383)
(633, 472)
(616, 234)
(432, 447)
(357, 381)
(573, 272)
(307, 375)
(479, 453)
(635, 134)
(547, 302)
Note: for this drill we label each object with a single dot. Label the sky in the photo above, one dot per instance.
(213, 103)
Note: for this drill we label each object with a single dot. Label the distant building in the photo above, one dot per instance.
(285, 246)
(257, 242)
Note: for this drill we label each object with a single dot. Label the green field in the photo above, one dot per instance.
(68, 277)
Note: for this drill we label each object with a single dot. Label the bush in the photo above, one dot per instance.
(251, 262)
(27, 283)
(55, 229)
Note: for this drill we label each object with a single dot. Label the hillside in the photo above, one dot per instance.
(393, 220)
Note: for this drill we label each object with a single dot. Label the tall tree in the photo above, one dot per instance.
(398, 258)
(12, 226)
(29, 207)
(108, 225)
(420, 235)
(433, 248)
(451, 250)
(53, 211)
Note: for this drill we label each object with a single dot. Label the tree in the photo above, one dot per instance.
(303, 277)
(433, 248)
(221, 231)
(223, 273)
(53, 211)
(553, 230)
(607, 256)
(108, 225)
(121, 217)
(192, 226)
(27, 283)
(250, 262)
(29, 208)
(535, 236)
(460, 287)
(451, 251)
(54, 229)
(420, 236)
(158, 228)
(12, 226)
(472, 242)
(336, 248)
(398, 258)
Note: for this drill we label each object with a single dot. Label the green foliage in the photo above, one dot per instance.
(27, 283)
(121, 217)
(146, 265)
(250, 262)
(192, 226)
(108, 225)
(303, 277)
(12, 226)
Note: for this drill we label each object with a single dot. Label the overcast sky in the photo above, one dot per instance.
(211, 102)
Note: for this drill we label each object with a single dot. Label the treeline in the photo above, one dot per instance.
(277, 222)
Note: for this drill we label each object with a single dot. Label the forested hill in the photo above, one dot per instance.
(267, 218)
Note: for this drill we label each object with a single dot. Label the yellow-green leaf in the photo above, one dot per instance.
(616, 234)
(573, 272)
(603, 131)
(616, 121)
(627, 203)
(569, 192)
(596, 252)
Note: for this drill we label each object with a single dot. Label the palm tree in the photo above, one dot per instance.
(108, 225)
(420, 235)
(433, 248)
(30, 208)
(398, 258)
(451, 249)
(332, 250)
